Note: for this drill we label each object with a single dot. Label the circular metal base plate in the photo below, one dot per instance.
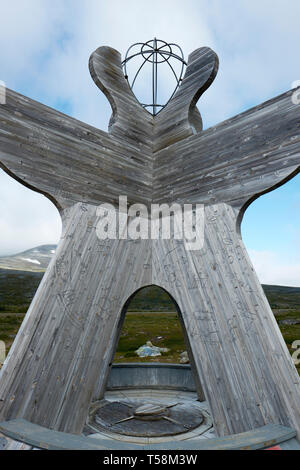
(140, 419)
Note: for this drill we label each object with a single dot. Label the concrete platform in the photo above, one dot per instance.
(157, 384)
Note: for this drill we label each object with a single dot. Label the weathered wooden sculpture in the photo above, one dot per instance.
(61, 357)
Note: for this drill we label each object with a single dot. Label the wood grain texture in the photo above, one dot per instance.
(71, 329)
(71, 162)
(130, 121)
(235, 161)
(67, 160)
(181, 119)
(240, 354)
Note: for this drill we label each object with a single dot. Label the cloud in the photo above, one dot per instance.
(27, 219)
(28, 29)
(274, 268)
(257, 43)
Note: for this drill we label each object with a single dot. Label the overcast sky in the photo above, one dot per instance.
(45, 47)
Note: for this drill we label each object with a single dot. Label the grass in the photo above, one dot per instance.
(17, 289)
(290, 333)
(163, 330)
(9, 326)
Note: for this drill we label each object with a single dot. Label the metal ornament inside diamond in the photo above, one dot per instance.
(152, 54)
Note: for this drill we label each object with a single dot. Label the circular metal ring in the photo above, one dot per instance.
(155, 52)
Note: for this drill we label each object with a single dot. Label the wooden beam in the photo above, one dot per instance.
(234, 161)
(44, 438)
(67, 160)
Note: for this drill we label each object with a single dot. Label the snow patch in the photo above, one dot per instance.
(34, 261)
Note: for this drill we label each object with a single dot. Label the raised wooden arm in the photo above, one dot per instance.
(235, 161)
(66, 160)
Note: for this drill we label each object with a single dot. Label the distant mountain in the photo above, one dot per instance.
(34, 260)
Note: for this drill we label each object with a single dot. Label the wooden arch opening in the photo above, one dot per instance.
(152, 315)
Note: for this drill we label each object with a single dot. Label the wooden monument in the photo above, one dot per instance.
(62, 354)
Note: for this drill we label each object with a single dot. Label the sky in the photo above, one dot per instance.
(45, 47)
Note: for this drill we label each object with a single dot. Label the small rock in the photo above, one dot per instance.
(184, 358)
(148, 350)
(289, 321)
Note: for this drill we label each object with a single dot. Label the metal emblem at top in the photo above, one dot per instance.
(155, 52)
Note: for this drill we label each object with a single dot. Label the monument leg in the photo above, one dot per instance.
(69, 331)
(244, 366)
